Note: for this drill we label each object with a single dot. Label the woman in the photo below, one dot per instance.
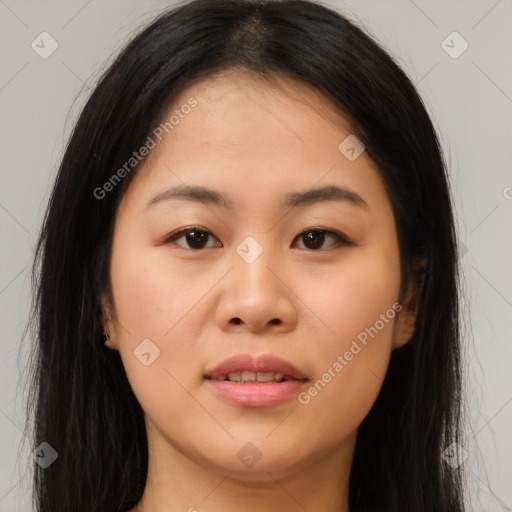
(246, 278)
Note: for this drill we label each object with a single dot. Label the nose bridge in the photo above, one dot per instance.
(250, 249)
(253, 259)
(255, 292)
(253, 295)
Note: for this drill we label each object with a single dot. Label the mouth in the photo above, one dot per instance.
(248, 377)
(265, 368)
(262, 382)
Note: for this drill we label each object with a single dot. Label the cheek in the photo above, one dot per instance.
(352, 296)
(358, 307)
(156, 302)
(150, 294)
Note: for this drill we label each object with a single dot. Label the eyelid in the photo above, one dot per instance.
(182, 231)
(341, 238)
(338, 236)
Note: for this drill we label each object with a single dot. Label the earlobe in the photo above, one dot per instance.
(109, 342)
(106, 339)
(406, 319)
(406, 323)
(109, 337)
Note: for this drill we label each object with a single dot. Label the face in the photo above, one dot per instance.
(251, 232)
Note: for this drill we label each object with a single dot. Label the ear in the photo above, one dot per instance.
(406, 319)
(107, 321)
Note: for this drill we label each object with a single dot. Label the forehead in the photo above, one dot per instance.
(253, 137)
(262, 91)
(242, 99)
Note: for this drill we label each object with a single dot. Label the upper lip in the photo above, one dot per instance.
(263, 363)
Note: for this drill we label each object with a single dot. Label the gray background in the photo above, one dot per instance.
(469, 97)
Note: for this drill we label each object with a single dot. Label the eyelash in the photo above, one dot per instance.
(341, 240)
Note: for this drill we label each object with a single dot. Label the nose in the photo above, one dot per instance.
(256, 296)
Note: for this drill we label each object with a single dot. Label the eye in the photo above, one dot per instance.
(314, 238)
(195, 236)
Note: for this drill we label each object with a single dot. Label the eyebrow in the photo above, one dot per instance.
(207, 195)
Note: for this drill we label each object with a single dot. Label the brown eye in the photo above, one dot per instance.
(195, 237)
(315, 238)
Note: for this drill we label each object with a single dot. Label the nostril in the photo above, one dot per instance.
(237, 320)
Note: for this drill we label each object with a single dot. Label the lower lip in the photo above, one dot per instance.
(257, 395)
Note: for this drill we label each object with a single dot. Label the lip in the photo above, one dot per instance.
(263, 363)
(266, 394)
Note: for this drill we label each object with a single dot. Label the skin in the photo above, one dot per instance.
(254, 142)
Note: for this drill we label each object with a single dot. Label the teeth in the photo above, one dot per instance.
(254, 377)
(269, 376)
(248, 377)
(235, 376)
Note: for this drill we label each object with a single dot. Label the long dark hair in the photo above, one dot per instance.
(81, 402)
